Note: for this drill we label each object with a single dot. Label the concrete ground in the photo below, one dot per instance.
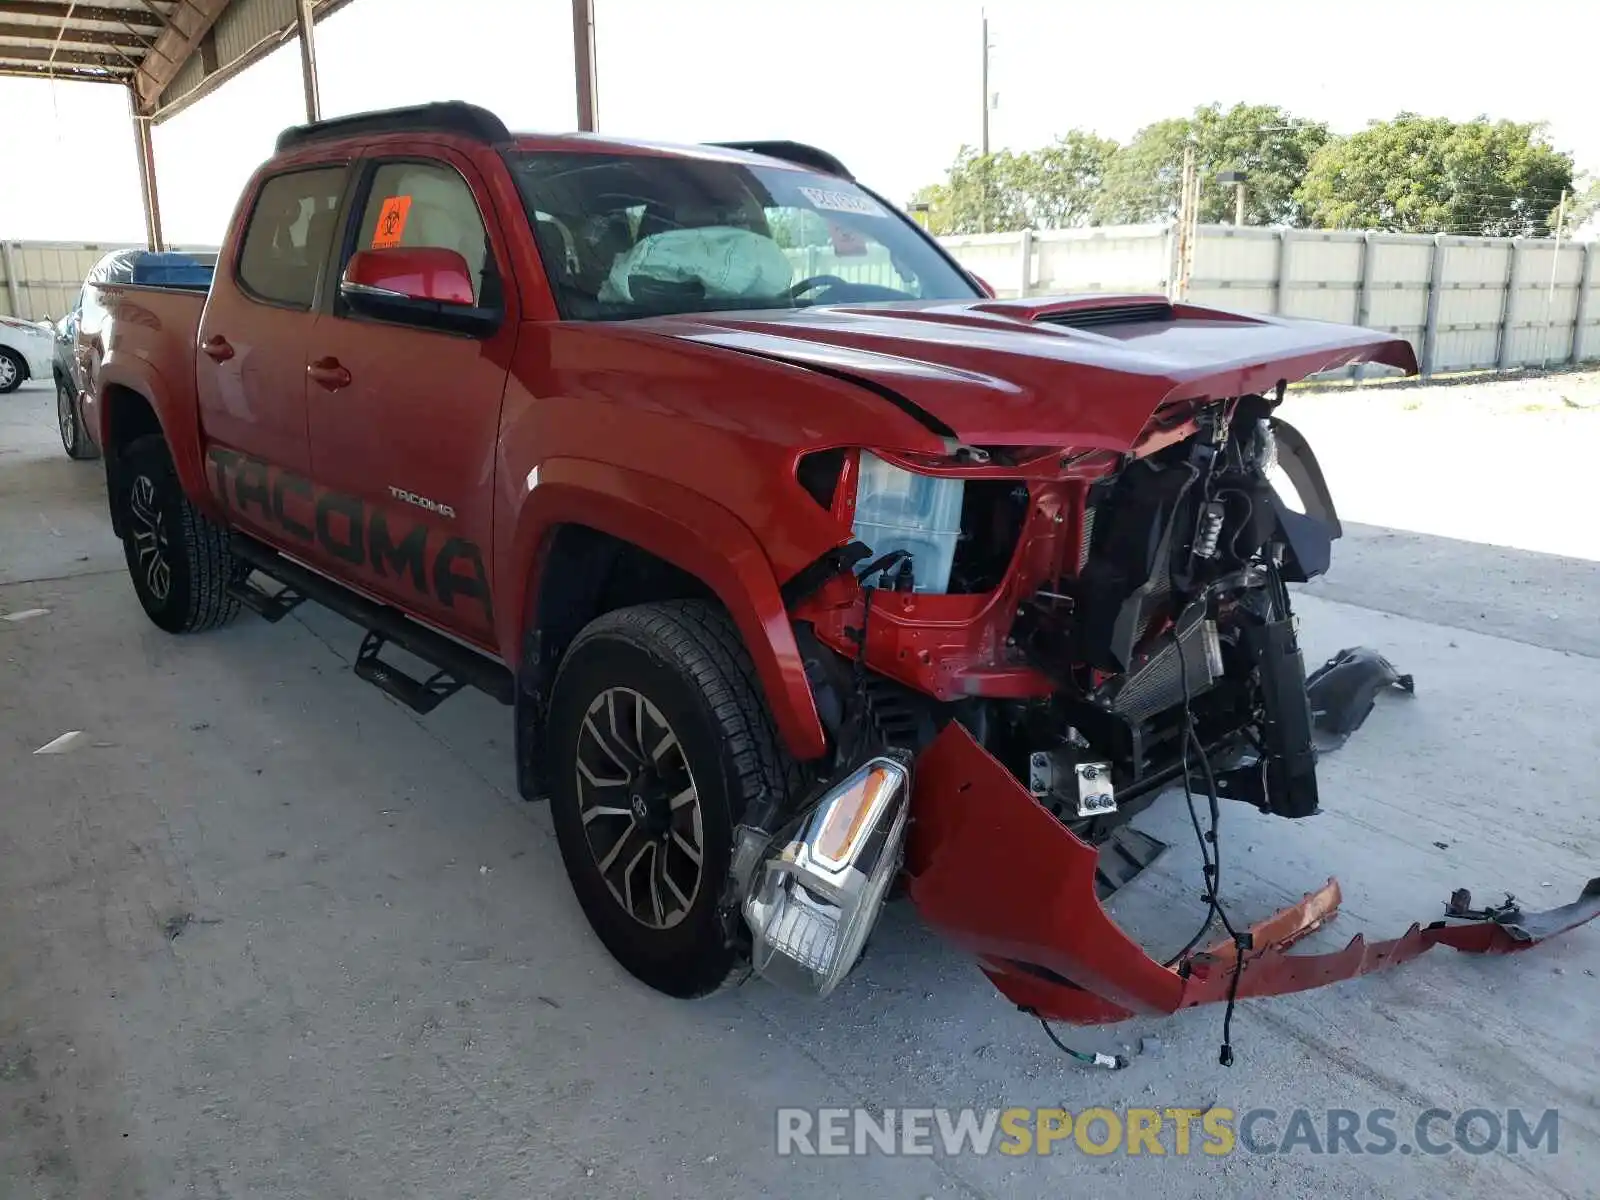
(266, 934)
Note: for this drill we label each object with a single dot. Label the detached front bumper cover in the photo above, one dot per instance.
(1000, 876)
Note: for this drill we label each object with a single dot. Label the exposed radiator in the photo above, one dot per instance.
(1155, 683)
(1085, 539)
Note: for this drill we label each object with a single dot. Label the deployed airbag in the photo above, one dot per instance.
(727, 263)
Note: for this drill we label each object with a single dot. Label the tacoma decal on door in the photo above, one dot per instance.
(433, 506)
(352, 531)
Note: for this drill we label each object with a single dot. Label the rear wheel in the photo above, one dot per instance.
(12, 371)
(178, 558)
(73, 439)
(659, 739)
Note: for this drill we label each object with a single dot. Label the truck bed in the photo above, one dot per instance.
(126, 322)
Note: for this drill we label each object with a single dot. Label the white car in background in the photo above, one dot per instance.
(26, 348)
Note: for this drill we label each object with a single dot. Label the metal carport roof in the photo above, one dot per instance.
(170, 53)
(167, 52)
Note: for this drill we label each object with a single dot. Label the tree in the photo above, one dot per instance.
(795, 228)
(1059, 184)
(1144, 179)
(1418, 174)
(1583, 207)
(1052, 188)
(977, 196)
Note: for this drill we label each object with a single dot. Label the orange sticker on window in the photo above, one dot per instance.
(391, 222)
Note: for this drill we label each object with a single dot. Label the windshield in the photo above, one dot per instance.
(633, 235)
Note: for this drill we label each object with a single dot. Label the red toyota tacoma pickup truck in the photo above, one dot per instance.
(810, 569)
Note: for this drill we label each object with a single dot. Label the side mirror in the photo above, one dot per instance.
(418, 285)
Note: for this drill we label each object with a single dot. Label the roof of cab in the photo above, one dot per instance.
(459, 119)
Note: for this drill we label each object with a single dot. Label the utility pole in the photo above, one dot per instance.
(1188, 207)
(1237, 178)
(983, 147)
(1550, 296)
(983, 144)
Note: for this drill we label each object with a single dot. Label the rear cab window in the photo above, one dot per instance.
(291, 230)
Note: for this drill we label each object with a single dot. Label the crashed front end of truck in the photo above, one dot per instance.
(1019, 650)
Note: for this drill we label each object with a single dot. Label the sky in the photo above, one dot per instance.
(892, 87)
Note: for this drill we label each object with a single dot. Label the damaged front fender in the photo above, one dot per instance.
(994, 872)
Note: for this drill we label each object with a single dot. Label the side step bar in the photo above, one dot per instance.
(271, 607)
(458, 666)
(419, 695)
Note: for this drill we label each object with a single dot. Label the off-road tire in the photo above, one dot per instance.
(11, 380)
(69, 420)
(199, 563)
(687, 659)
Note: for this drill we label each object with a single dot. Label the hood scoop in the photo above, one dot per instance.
(1143, 313)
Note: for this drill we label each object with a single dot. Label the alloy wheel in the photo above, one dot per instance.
(148, 524)
(8, 371)
(640, 808)
(67, 419)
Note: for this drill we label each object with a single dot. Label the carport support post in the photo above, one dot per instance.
(147, 173)
(9, 261)
(583, 64)
(305, 26)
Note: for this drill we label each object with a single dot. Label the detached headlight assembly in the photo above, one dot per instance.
(814, 901)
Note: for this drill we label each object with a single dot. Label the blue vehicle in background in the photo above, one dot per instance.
(185, 270)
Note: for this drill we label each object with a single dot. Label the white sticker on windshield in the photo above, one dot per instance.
(844, 202)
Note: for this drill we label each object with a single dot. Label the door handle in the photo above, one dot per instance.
(330, 373)
(217, 348)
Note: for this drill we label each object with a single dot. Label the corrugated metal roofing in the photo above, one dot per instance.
(170, 52)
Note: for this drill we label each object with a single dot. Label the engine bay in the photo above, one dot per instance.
(1104, 625)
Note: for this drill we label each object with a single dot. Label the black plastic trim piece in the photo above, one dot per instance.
(798, 153)
(805, 582)
(1118, 314)
(459, 661)
(1300, 464)
(447, 116)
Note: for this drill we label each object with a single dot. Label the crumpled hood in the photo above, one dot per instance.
(1084, 371)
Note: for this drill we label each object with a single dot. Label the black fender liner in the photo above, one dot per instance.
(1309, 534)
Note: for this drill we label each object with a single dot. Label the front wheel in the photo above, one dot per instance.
(73, 439)
(659, 740)
(179, 559)
(12, 371)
